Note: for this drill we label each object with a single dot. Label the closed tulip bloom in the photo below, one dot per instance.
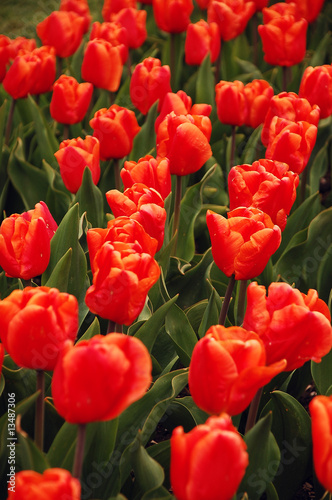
(115, 34)
(267, 185)
(292, 325)
(260, 4)
(184, 140)
(135, 23)
(291, 143)
(309, 9)
(46, 70)
(209, 462)
(142, 204)
(73, 156)
(70, 100)
(21, 43)
(149, 82)
(97, 379)
(258, 94)
(232, 107)
(35, 323)
(22, 75)
(5, 55)
(63, 30)
(227, 367)
(231, 17)
(320, 408)
(292, 107)
(115, 128)
(102, 64)
(202, 39)
(172, 16)
(113, 6)
(243, 243)
(150, 171)
(53, 484)
(25, 242)
(281, 9)
(316, 87)
(80, 7)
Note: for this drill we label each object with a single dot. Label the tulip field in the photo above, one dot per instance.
(166, 250)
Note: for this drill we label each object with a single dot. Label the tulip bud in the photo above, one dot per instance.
(70, 100)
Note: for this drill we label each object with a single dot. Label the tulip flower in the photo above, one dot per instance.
(142, 204)
(80, 7)
(260, 4)
(202, 39)
(53, 484)
(172, 16)
(70, 100)
(281, 9)
(115, 128)
(115, 34)
(289, 106)
(309, 9)
(184, 140)
(21, 43)
(113, 6)
(152, 172)
(46, 70)
(5, 55)
(35, 323)
(25, 242)
(73, 156)
(209, 462)
(316, 87)
(135, 23)
(258, 94)
(320, 408)
(243, 243)
(22, 76)
(102, 64)
(149, 82)
(291, 143)
(227, 368)
(231, 17)
(232, 107)
(292, 325)
(83, 394)
(267, 185)
(63, 30)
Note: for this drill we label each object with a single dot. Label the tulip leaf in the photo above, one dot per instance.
(292, 429)
(58, 197)
(185, 412)
(149, 474)
(60, 274)
(4, 109)
(211, 313)
(94, 329)
(253, 148)
(181, 332)
(205, 83)
(319, 54)
(264, 458)
(322, 373)
(90, 200)
(29, 456)
(145, 140)
(319, 167)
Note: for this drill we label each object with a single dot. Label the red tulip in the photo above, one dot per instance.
(209, 462)
(35, 323)
(46, 69)
(227, 368)
(25, 242)
(73, 156)
(243, 243)
(53, 484)
(115, 128)
(22, 76)
(21, 43)
(149, 82)
(231, 17)
(203, 4)
(292, 325)
(70, 100)
(63, 30)
(102, 64)
(113, 6)
(316, 87)
(232, 106)
(309, 9)
(267, 185)
(281, 9)
(260, 4)
(184, 140)
(135, 23)
(172, 16)
(258, 94)
(291, 143)
(152, 172)
(202, 39)
(142, 204)
(115, 34)
(320, 408)
(80, 7)
(5, 55)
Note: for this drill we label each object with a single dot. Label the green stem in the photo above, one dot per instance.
(113, 327)
(177, 208)
(58, 67)
(65, 132)
(227, 299)
(39, 417)
(286, 73)
(253, 409)
(117, 176)
(242, 301)
(79, 452)
(10, 121)
(217, 75)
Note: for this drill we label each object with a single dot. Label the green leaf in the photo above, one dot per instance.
(29, 456)
(145, 140)
(183, 411)
(322, 373)
(253, 147)
(90, 200)
(264, 458)
(4, 109)
(60, 274)
(211, 313)
(47, 142)
(319, 54)
(148, 473)
(182, 333)
(205, 83)
(319, 167)
(324, 275)
(94, 329)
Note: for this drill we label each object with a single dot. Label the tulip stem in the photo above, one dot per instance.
(65, 132)
(10, 121)
(227, 299)
(117, 176)
(39, 417)
(58, 66)
(177, 208)
(286, 74)
(232, 158)
(113, 327)
(242, 301)
(253, 410)
(79, 452)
